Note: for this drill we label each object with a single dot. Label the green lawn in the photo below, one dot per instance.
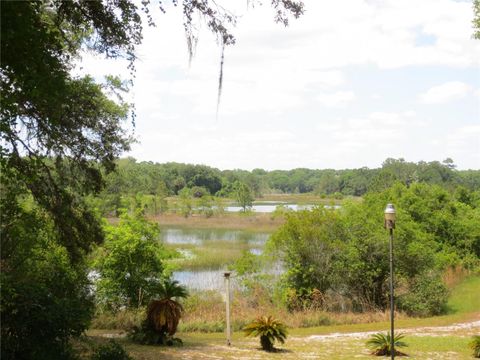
(212, 346)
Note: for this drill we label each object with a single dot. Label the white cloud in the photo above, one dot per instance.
(464, 144)
(446, 92)
(336, 99)
(275, 78)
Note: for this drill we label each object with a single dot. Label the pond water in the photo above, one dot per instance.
(190, 241)
(179, 236)
(214, 279)
(201, 280)
(269, 208)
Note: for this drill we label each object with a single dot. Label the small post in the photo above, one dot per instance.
(227, 302)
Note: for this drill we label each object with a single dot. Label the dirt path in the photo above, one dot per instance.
(465, 329)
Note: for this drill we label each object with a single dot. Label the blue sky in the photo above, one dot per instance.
(349, 84)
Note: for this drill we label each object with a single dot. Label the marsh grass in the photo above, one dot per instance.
(211, 255)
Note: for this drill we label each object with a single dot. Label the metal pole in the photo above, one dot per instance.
(392, 336)
(227, 301)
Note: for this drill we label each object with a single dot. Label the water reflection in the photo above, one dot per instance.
(183, 236)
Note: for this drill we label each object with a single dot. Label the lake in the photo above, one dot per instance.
(200, 242)
(269, 208)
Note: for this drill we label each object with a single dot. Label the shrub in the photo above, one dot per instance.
(130, 263)
(269, 330)
(163, 316)
(475, 346)
(380, 344)
(146, 335)
(44, 299)
(427, 296)
(110, 351)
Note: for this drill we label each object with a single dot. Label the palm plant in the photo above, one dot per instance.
(475, 346)
(163, 314)
(269, 330)
(380, 344)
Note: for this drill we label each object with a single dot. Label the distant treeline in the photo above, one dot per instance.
(151, 178)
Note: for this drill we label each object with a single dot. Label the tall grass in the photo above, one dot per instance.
(211, 255)
(120, 320)
(205, 312)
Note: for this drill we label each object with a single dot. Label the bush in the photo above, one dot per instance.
(110, 351)
(145, 335)
(427, 296)
(475, 346)
(45, 297)
(130, 263)
(380, 344)
(268, 329)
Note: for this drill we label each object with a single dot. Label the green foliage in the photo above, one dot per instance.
(130, 263)
(268, 329)
(243, 195)
(475, 346)
(311, 244)
(381, 344)
(143, 177)
(427, 296)
(205, 206)
(45, 296)
(344, 254)
(476, 19)
(110, 351)
(185, 202)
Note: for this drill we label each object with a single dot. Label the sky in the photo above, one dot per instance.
(347, 85)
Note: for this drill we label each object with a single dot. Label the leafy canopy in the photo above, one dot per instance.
(130, 264)
(343, 253)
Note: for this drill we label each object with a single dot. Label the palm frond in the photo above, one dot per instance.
(380, 343)
(268, 329)
(163, 315)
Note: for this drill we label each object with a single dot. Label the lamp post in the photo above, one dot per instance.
(390, 225)
(227, 301)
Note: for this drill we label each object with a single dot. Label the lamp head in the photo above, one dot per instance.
(390, 216)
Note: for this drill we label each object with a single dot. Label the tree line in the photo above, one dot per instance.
(171, 178)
